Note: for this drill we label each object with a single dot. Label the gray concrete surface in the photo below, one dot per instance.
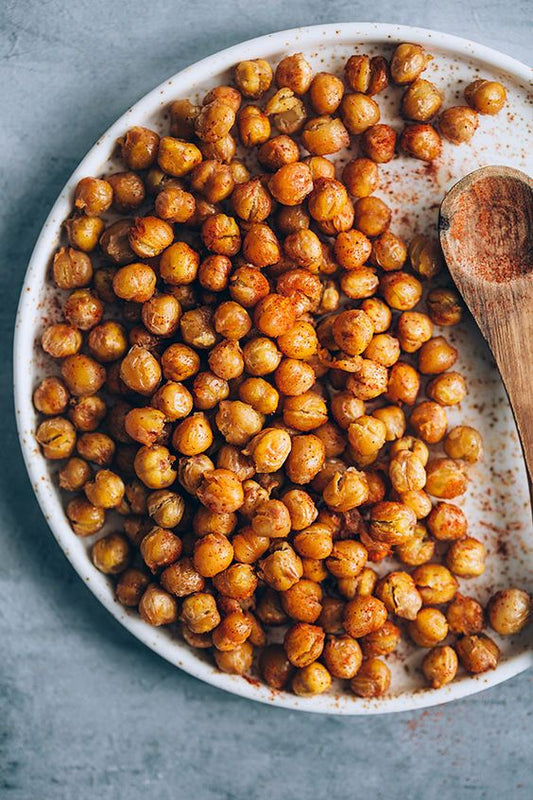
(85, 710)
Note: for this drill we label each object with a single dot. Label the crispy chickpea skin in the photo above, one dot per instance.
(486, 97)
(440, 666)
(464, 442)
(253, 78)
(372, 680)
(509, 611)
(465, 615)
(422, 141)
(458, 124)
(477, 653)
(446, 478)
(435, 583)
(111, 554)
(408, 61)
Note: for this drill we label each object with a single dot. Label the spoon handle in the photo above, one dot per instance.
(511, 342)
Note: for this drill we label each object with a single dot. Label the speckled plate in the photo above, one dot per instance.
(497, 502)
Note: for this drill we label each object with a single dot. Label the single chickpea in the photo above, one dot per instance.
(314, 541)
(436, 356)
(196, 327)
(165, 508)
(440, 666)
(303, 644)
(139, 147)
(379, 313)
(331, 617)
(149, 236)
(447, 522)
(399, 594)
(128, 191)
(253, 78)
(465, 615)
(379, 143)
(291, 184)
(370, 380)
(446, 478)
(154, 467)
(220, 491)
(422, 141)
(363, 615)
(208, 390)
(310, 680)
(261, 356)
(281, 568)
(408, 61)
(213, 553)
(324, 135)
(206, 521)
(428, 628)
(276, 669)
(486, 97)
(193, 435)
(372, 216)
(509, 611)
(74, 475)
(235, 662)
(107, 341)
(96, 447)
(174, 204)
(413, 329)
(130, 587)
(173, 400)
(85, 518)
(325, 92)
(51, 397)
(57, 438)
(444, 306)
(458, 124)
(394, 420)
(406, 472)
(419, 549)
(366, 435)
(421, 101)
(238, 422)
(253, 125)
(435, 583)
(403, 384)
(161, 314)
(400, 290)
(212, 179)
(361, 177)
(215, 120)
(392, 522)
(364, 74)
(61, 341)
(388, 252)
(372, 679)
(269, 449)
(248, 286)
(82, 375)
(295, 73)
(221, 235)
(179, 362)
(84, 232)
(303, 601)
(381, 642)
(83, 309)
(111, 554)
(352, 249)
(182, 579)
(227, 94)
(106, 490)
(179, 264)
(466, 557)
(477, 653)
(114, 242)
(272, 519)
(191, 471)
(251, 202)
(277, 152)
(343, 656)
(71, 269)
(384, 349)
(429, 421)
(465, 443)
(199, 612)
(347, 558)
(359, 112)
(260, 246)
(159, 548)
(93, 196)
(346, 490)
(232, 632)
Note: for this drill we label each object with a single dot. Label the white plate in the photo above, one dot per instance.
(497, 502)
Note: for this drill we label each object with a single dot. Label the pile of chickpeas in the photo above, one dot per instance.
(241, 369)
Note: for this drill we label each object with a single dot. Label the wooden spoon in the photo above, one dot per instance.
(486, 233)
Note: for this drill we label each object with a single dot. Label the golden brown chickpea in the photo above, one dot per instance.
(221, 235)
(314, 541)
(106, 490)
(254, 126)
(419, 549)
(208, 390)
(179, 362)
(372, 679)
(372, 216)
(294, 377)
(71, 268)
(343, 656)
(440, 666)
(177, 157)
(248, 286)
(149, 236)
(269, 449)
(82, 375)
(408, 61)
(277, 152)
(324, 135)
(425, 256)
(179, 264)
(212, 554)
(261, 356)
(215, 120)
(145, 425)
(74, 475)
(114, 243)
(392, 522)
(465, 443)
(357, 73)
(235, 662)
(130, 587)
(229, 95)
(111, 554)
(253, 78)
(352, 249)
(333, 439)
(400, 290)
(379, 143)
(83, 309)
(57, 438)
(193, 436)
(304, 413)
(326, 93)
(275, 667)
(486, 97)
(436, 356)
(191, 471)
(394, 420)
(260, 246)
(353, 331)
(205, 521)
(458, 124)
(154, 467)
(359, 112)
(107, 341)
(161, 314)
(444, 306)
(406, 472)
(165, 508)
(260, 395)
(346, 408)
(136, 282)
(304, 248)
(173, 400)
(290, 219)
(466, 557)
(251, 201)
(361, 177)
(428, 628)
(303, 601)
(446, 478)
(295, 73)
(93, 196)
(196, 327)
(366, 435)
(435, 583)
(421, 101)
(139, 147)
(61, 341)
(51, 397)
(403, 384)
(302, 509)
(477, 653)
(220, 491)
(421, 141)
(370, 380)
(429, 421)
(271, 519)
(226, 360)
(383, 349)
(159, 548)
(381, 642)
(465, 615)
(363, 615)
(291, 184)
(346, 490)
(85, 518)
(281, 568)
(96, 447)
(174, 204)
(399, 594)
(413, 329)
(128, 191)
(303, 644)
(347, 558)
(238, 422)
(310, 680)
(199, 612)
(238, 581)
(331, 616)
(84, 232)
(274, 315)
(213, 179)
(388, 252)
(509, 611)
(182, 579)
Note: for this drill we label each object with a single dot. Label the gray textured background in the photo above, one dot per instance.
(85, 710)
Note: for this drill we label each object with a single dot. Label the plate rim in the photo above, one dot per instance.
(23, 346)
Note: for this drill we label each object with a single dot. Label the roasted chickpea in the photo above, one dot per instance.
(93, 196)
(435, 583)
(235, 662)
(352, 250)
(111, 554)
(372, 679)
(74, 475)
(458, 124)
(232, 632)
(466, 557)
(281, 568)
(361, 177)
(440, 666)
(61, 341)
(509, 611)
(173, 400)
(212, 554)
(191, 470)
(114, 242)
(363, 615)
(130, 587)
(326, 93)
(346, 490)
(253, 78)
(447, 522)
(312, 679)
(57, 438)
(303, 644)
(399, 594)
(413, 329)
(182, 579)
(302, 601)
(149, 236)
(51, 397)
(370, 380)
(82, 375)
(192, 436)
(85, 518)
(83, 309)
(421, 101)
(214, 120)
(128, 191)
(420, 548)
(444, 306)
(179, 264)
(199, 612)
(408, 61)
(343, 657)
(71, 268)
(324, 135)
(314, 541)
(159, 548)
(106, 490)
(275, 667)
(347, 558)
(254, 126)
(403, 383)
(174, 204)
(446, 478)
(465, 615)
(428, 628)
(154, 467)
(388, 252)
(477, 653)
(381, 642)
(295, 73)
(486, 97)
(84, 232)
(392, 522)
(229, 95)
(165, 508)
(421, 141)
(196, 327)
(366, 435)
(220, 490)
(260, 246)
(429, 421)
(238, 421)
(179, 362)
(291, 184)
(212, 179)
(221, 235)
(465, 443)
(359, 112)
(379, 143)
